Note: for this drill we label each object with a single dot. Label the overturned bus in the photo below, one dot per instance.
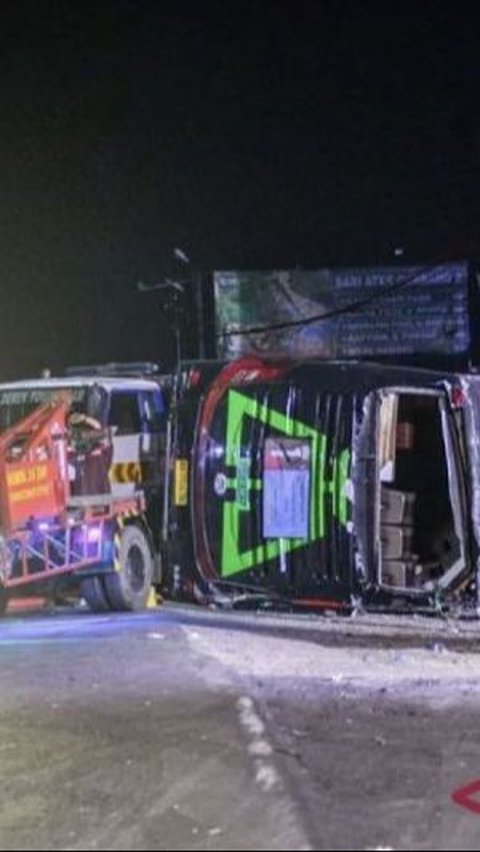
(322, 485)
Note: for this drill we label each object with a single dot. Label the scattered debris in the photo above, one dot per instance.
(380, 849)
(438, 648)
(214, 832)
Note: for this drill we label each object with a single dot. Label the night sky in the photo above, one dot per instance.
(266, 134)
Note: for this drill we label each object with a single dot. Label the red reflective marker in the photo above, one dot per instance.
(464, 797)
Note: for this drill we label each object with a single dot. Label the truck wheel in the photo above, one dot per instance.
(128, 589)
(93, 591)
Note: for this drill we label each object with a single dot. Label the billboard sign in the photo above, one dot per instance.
(344, 313)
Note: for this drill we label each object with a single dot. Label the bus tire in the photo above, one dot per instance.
(128, 589)
(93, 591)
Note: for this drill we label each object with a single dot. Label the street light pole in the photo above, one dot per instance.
(196, 278)
(178, 291)
(171, 431)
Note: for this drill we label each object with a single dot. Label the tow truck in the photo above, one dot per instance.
(81, 485)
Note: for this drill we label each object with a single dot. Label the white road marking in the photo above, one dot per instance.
(266, 776)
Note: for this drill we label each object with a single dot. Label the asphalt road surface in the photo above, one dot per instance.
(182, 730)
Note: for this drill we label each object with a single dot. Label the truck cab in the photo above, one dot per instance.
(113, 445)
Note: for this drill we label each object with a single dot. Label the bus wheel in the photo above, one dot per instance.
(93, 591)
(128, 589)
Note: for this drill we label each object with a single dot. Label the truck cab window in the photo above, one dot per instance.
(124, 414)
